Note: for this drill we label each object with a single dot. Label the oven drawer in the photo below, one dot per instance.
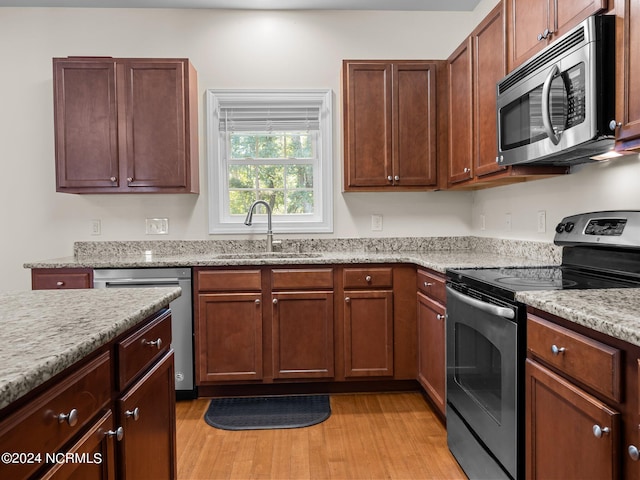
(590, 362)
(432, 285)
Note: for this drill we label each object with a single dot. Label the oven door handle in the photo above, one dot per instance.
(485, 307)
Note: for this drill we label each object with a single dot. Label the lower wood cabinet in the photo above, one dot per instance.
(582, 402)
(111, 432)
(431, 350)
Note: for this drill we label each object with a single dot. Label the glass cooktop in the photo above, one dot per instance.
(516, 279)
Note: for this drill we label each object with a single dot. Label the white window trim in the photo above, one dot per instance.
(219, 222)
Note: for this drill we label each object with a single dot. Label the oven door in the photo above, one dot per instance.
(482, 372)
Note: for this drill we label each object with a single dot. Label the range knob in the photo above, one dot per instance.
(569, 226)
(560, 228)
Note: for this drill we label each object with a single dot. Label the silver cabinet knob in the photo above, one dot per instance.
(634, 453)
(155, 343)
(396, 178)
(598, 431)
(258, 301)
(439, 317)
(129, 179)
(118, 433)
(466, 170)
(390, 178)
(368, 279)
(60, 284)
(557, 350)
(428, 284)
(113, 179)
(71, 418)
(347, 299)
(613, 125)
(275, 301)
(135, 414)
(544, 35)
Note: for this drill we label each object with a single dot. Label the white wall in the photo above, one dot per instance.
(230, 49)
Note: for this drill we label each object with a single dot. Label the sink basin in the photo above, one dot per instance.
(258, 255)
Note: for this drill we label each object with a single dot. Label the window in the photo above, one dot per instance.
(274, 146)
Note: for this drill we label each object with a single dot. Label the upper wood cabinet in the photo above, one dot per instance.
(533, 24)
(474, 69)
(125, 125)
(390, 125)
(628, 73)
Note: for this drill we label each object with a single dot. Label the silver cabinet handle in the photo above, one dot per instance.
(544, 35)
(135, 414)
(368, 278)
(598, 431)
(113, 179)
(257, 301)
(129, 179)
(557, 350)
(347, 299)
(155, 343)
(71, 418)
(613, 125)
(428, 284)
(439, 316)
(390, 178)
(396, 178)
(466, 170)
(59, 284)
(275, 301)
(634, 453)
(118, 433)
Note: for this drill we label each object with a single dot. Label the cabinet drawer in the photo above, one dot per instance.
(432, 285)
(368, 277)
(139, 350)
(49, 279)
(229, 280)
(292, 279)
(588, 361)
(38, 426)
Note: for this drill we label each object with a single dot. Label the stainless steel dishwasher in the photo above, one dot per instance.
(181, 313)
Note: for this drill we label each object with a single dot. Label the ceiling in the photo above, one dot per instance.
(406, 5)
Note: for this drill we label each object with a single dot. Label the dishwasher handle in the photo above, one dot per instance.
(484, 306)
(137, 282)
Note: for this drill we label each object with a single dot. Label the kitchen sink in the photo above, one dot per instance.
(258, 255)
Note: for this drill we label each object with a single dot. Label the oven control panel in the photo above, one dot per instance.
(610, 228)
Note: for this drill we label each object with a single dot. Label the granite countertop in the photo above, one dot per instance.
(613, 312)
(45, 331)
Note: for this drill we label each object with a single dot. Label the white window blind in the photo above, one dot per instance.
(285, 118)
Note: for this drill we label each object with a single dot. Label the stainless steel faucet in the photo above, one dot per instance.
(248, 220)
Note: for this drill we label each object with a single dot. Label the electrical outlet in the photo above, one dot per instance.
(96, 228)
(376, 222)
(542, 221)
(507, 222)
(157, 226)
(483, 222)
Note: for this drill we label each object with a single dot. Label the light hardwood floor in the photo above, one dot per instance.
(367, 436)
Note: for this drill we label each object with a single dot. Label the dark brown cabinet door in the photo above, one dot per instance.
(368, 333)
(86, 121)
(460, 152)
(533, 24)
(146, 413)
(570, 434)
(154, 106)
(431, 350)
(414, 159)
(489, 66)
(125, 125)
(228, 337)
(302, 334)
(390, 125)
(628, 73)
(368, 124)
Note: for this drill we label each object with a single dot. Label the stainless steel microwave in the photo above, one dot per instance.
(558, 107)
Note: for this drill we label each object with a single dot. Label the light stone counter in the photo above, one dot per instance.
(614, 312)
(45, 331)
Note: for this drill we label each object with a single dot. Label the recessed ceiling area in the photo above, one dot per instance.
(404, 5)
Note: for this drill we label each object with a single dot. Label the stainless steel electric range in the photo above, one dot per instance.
(486, 335)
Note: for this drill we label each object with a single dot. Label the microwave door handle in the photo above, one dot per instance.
(546, 111)
(485, 307)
